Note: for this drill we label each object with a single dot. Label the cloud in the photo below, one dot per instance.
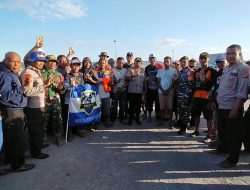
(170, 42)
(48, 9)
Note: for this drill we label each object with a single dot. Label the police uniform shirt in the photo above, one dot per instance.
(233, 85)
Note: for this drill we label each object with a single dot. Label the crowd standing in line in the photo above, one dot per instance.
(40, 92)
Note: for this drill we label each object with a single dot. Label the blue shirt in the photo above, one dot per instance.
(11, 90)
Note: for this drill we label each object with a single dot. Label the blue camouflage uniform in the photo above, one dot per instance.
(184, 94)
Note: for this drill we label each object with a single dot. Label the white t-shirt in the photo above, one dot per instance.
(167, 77)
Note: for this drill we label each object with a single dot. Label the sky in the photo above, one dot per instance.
(163, 27)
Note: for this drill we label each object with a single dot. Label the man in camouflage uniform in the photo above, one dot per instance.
(184, 94)
(53, 106)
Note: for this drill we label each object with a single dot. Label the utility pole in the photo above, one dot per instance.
(172, 54)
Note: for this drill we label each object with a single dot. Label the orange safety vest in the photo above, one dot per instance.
(203, 93)
(106, 81)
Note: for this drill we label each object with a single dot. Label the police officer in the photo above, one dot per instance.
(246, 138)
(232, 93)
(184, 94)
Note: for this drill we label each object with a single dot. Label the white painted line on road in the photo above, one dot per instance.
(206, 171)
(153, 142)
(161, 147)
(242, 180)
(145, 162)
(136, 130)
(174, 150)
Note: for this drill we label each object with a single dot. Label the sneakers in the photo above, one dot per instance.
(45, 145)
(181, 132)
(195, 134)
(227, 164)
(213, 144)
(24, 168)
(40, 156)
(218, 152)
(207, 140)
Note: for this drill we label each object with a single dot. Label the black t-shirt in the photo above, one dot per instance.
(127, 66)
(210, 74)
(151, 72)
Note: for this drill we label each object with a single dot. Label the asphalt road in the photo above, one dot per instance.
(131, 158)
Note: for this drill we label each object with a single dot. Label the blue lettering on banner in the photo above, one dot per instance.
(87, 104)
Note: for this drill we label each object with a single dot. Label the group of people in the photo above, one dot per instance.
(36, 96)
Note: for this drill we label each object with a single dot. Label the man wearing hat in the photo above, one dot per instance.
(111, 62)
(127, 66)
(74, 78)
(204, 79)
(130, 62)
(12, 102)
(151, 87)
(103, 56)
(192, 64)
(184, 94)
(135, 76)
(36, 104)
(105, 77)
(52, 99)
(220, 63)
(119, 90)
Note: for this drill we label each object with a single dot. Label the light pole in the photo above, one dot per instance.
(115, 49)
(172, 54)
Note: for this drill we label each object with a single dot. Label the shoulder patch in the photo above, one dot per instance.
(245, 72)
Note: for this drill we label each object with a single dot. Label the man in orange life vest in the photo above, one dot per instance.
(204, 79)
(105, 77)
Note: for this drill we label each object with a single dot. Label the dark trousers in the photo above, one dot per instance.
(65, 109)
(35, 124)
(152, 96)
(184, 112)
(13, 136)
(105, 109)
(118, 98)
(135, 100)
(246, 137)
(230, 132)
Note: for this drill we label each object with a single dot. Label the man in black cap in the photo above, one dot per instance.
(204, 79)
(129, 58)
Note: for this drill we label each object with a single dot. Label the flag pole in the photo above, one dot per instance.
(67, 128)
